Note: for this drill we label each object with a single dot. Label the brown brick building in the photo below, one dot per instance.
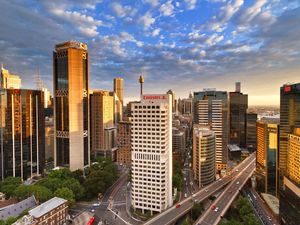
(124, 141)
(52, 212)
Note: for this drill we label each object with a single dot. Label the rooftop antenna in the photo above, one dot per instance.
(38, 80)
(142, 81)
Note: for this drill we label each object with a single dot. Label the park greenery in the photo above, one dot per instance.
(241, 213)
(73, 186)
(197, 211)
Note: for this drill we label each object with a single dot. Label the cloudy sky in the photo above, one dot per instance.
(184, 45)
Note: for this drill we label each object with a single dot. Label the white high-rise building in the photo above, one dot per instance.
(152, 153)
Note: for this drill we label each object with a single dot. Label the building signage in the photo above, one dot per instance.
(154, 97)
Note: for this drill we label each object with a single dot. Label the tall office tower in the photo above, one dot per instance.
(71, 105)
(289, 204)
(124, 141)
(118, 90)
(22, 133)
(211, 109)
(204, 152)
(47, 97)
(289, 119)
(267, 157)
(172, 93)
(238, 105)
(152, 153)
(178, 141)
(102, 118)
(8, 80)
(251, 119)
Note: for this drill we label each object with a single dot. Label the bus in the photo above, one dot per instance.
(91, 221)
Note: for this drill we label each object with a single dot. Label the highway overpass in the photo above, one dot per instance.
(172, 214)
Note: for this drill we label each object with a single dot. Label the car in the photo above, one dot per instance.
(217, 209)
(213, 207)
(185, 195)
(184, 179)
(206, 190)
(96, 204)
(237, 182)
(194, 195)
(178, 206)
(237, 170)
(92, 210)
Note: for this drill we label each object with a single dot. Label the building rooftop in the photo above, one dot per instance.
(234, 148)
(272, 202)
(16, 209)
(42, 209)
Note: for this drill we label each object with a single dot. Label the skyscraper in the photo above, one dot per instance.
(211, 109)
(289, 119)
(251, 119)
(238, 105)
(172, 93)
(118, 90)
(204, 151)
(102, 117)
(267, 157)
(152, 153)
(22, 133)
(71, 105)
(8, 80)
(289, 199)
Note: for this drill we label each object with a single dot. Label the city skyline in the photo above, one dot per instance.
(210, 41)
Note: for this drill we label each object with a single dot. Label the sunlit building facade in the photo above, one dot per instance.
(211, 109)
(251, 119)
(22, 133)
(152, 153)
(118, 98)
(124, 141)
(267, 158)
(8, 81)
(71, 105)
(204, 151)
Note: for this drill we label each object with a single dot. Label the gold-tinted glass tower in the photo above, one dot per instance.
(118, 90)
(71, 105)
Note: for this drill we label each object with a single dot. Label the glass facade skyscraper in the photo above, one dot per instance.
(267, 158)
(71, 105)
(22, 133)
(289, 198)
(238, 105)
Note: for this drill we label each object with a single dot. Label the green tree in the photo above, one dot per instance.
(63, 173)
(11, 220)
(185, 222)
(41, 193)
(177, 181)
(75, 186)
(65, 193)
(78, 175)
(196, 211)
(9, 185)
(52, 183)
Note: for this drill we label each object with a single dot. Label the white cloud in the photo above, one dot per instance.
(152, 2)
(191, 4)
(86, 25)
(147, 20)
(251, 12)
(167, 8)
(155, 32)
(122, 11)
(89, 31)
(139, 43)
(214, 39)
(230, 9)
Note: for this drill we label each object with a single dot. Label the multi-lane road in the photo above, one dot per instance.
(174, 213)
(213, 215)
